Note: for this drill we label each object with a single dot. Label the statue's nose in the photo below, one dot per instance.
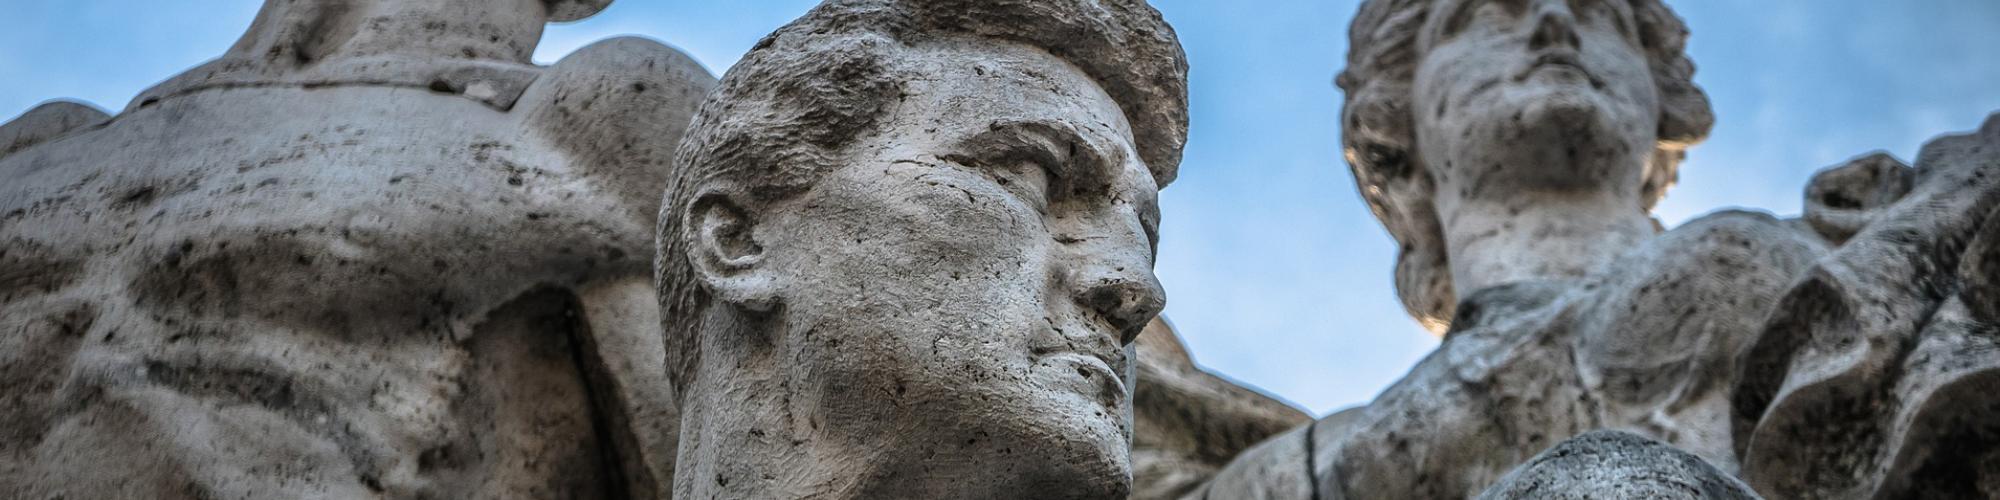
(1127, 304)
(1117, 284)
(1555, 25)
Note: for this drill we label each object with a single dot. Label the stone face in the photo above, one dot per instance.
(337, 263)
(1613, 464)
(1570, 126)
(907, 245)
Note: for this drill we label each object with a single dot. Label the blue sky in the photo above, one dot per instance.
(1276, 273)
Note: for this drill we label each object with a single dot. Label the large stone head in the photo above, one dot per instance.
(1455, 100)
(931, 222)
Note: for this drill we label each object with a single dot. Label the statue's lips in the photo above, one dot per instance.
(1095, 370)
(1558, 61)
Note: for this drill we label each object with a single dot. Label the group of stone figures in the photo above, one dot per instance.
(905, 250)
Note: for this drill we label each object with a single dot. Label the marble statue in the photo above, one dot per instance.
(346, 239)
(1514, 150)
(907, 245)
(905, 251)
(371, 252)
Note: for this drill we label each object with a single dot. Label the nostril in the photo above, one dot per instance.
(1126, 305)
(1554, 28)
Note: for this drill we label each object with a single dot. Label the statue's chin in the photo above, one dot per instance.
(1557, 137)
(1074, 451)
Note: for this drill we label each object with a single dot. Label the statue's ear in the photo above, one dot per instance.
(725, 251)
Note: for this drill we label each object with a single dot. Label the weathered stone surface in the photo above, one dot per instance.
(47, 121)
(907, 244)
(1842, 200)
(1514, 151)
(371, 252)
(1872, 378)
(1613, 464)
(1605, 104)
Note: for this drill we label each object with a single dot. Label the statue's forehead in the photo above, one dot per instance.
(959, 80)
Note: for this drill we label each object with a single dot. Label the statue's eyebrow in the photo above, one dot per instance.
(1076, 157)
(1066, 151)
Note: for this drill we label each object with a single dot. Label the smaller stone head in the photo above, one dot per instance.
(936, 219)
(309, 31)
(1450, 100)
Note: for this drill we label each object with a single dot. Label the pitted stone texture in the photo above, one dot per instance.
(1616, 465)
(1539, 161)
(909, 244)
(1873, 379)
(476, 48)
(47, 121)
(1842, 200)
(1810, 371)
(268, 284)
(1842, 356)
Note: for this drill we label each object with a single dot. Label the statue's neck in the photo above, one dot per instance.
(733, 450)
(722, 456)
(737, 437)
(1538, 236)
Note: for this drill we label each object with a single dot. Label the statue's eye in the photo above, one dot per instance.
(1023, 178)
(1028, 180)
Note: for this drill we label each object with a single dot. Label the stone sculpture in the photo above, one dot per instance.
(1514, 150)
(372, 251)
(906, 247)
(906, 252)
